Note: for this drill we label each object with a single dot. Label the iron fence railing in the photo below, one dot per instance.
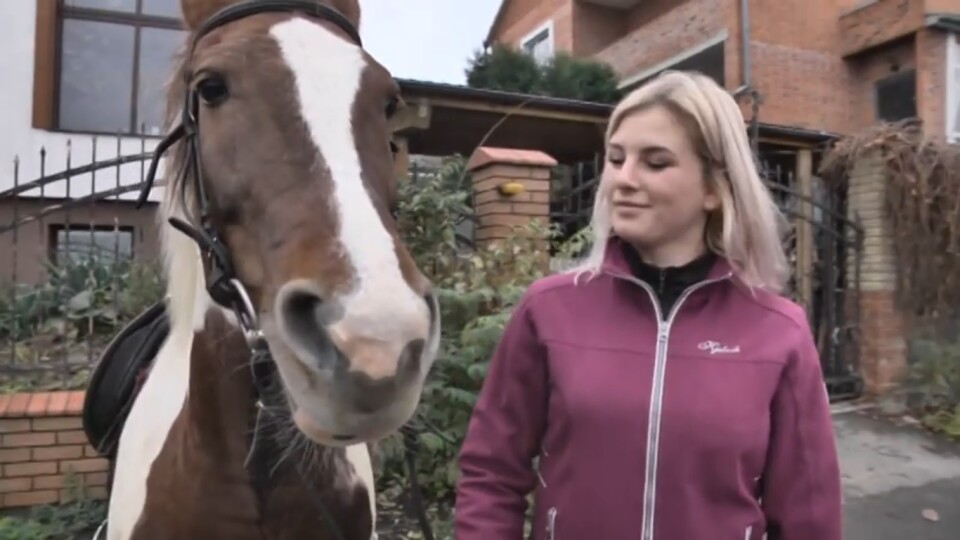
(76, 259)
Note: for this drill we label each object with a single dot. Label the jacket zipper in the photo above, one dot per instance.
(656, 396)
(552, 523)
(746, 535)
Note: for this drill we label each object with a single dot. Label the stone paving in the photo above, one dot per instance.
(900, 482)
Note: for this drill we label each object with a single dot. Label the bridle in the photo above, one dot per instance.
(222, 283)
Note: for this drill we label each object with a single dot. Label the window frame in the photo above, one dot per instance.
(951, 105)
(51, 15)
(54, 248)
(893, 78)
(534, 35)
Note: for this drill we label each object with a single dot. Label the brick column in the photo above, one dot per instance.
(883, 357)
(510, 188)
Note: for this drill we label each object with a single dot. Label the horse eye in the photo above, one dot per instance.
(213, 90)
(391, 107)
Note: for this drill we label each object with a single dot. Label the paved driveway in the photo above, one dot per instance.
(893, 473)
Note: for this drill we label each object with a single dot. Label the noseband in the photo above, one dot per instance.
(222, 283)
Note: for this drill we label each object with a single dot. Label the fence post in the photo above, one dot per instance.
(510, 188)
(883, 343)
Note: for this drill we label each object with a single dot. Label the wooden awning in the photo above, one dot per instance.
(443, 119)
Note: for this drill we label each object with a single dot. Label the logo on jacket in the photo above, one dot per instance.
(718, 348)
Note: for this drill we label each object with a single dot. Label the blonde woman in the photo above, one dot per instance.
(665, 387)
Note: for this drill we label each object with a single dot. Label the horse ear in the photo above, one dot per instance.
(197, 11)
(349, 9)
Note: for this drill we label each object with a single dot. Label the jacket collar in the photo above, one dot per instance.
(615, 261)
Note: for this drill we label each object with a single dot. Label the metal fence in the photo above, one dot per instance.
(77, 260)
(824, 246)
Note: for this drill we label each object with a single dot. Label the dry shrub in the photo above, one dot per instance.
(922, 201)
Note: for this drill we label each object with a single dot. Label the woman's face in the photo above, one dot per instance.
(655, 178)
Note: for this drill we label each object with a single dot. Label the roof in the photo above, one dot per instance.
(496, 22)
(501, 97)
(463, 119)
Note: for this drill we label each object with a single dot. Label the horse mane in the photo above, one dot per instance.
(186, 294)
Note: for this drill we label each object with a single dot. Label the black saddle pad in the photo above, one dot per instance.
(117, 378)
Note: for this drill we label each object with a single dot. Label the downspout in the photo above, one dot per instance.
(746, 86)
(745, 42)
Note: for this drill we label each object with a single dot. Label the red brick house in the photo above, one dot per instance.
(832, 66)
(821, 69)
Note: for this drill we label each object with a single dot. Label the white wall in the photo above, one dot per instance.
(19, 139)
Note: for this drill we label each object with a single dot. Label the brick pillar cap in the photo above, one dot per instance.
(488, 155)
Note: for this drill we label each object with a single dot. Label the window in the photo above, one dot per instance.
(952, 97)
(539, 44)
(896, 96)
(81, 242)
(114, 58)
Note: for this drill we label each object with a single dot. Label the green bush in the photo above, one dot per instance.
(75, 520)
(564, 76)
(79, 296)
(934, 379)
(477, 289)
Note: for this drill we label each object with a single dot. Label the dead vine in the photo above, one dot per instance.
(922, 204)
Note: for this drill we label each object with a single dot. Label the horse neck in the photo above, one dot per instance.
(289, 477)
(221, 399)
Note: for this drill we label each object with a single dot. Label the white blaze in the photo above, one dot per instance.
(327, 74)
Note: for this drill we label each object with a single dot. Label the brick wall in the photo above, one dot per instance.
(43, 447)
(931, 59)
(799, 49)
(660, 29)
(883, 357)
(520, 17)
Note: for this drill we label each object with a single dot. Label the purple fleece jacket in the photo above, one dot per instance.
(714, 425)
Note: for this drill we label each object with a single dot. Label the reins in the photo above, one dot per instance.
(222, 283)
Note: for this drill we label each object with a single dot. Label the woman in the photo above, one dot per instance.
(663, 390)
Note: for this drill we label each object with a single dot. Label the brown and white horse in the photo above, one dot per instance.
(281, 255)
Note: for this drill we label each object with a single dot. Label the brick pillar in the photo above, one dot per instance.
(510, 188)
(883, 357)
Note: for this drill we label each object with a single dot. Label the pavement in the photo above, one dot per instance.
(900, 482)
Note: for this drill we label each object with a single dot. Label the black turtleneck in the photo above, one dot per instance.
(670, 282)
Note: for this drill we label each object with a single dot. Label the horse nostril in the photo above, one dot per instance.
(410, 358)
(305, 316)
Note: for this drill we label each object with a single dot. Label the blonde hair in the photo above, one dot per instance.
(747, 228)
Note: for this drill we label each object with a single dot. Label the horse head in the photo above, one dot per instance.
(287, 187)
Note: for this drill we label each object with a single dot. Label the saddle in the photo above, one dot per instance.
(119, 375)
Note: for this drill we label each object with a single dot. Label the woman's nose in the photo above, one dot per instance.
(627, 176)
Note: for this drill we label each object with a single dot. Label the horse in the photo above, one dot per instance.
(297, 330)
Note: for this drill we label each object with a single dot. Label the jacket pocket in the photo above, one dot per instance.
(552, 523)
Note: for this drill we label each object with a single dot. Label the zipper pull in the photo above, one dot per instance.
(663, 278)
(552, 523)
